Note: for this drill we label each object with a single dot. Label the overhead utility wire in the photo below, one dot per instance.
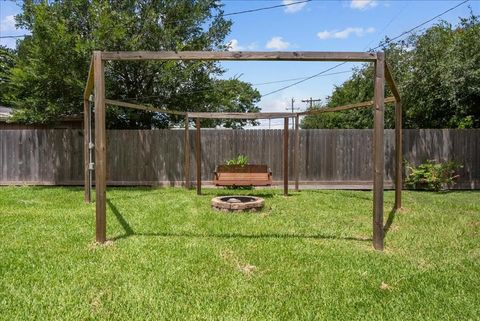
(219, 15)
(322, 73)
(266, 8)
(143, 98)
(303, 80)
(392, 39)
(423, 23)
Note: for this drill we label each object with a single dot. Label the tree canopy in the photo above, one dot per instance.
(7, 61)
(48, 78)
(438, 75)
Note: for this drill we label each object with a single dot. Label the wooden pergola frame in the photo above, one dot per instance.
(96, 83)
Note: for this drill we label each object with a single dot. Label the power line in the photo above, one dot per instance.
(392, 39)
(143, 98)
(216, 16)
(266, 8)
(303, 80)
(13, 37)
(299, 78)
(384, 29)
(423, 23)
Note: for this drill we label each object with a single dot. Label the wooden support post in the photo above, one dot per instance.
(378, 152)
(296, 155)
(285, 157)
(86, 151)
(100, 148)
(186, 164)
(398, 155)
(198, 156)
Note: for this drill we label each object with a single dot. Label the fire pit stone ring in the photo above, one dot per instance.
(237, 203)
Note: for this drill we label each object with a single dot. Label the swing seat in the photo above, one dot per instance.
(242, 175)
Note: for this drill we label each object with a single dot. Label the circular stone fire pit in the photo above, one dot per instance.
(237, 203)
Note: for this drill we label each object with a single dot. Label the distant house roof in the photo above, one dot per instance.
(5, 112)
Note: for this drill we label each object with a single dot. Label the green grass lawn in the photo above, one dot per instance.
(170, 257)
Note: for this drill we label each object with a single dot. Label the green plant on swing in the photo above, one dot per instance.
(240, 160)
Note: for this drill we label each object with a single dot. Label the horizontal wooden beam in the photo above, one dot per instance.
(206, 115)
(143, 107)
(220, 115)
(365, 104)
(240, 55)
(89, 86)
(391, 83)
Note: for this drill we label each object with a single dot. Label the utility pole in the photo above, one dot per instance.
(292, 108)
(311, 101)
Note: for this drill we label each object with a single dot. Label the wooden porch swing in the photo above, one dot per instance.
(242, 175)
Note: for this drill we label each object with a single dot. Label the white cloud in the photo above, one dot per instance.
(291, 8)
(8, 23)
(234, 45)
(363, 4)
(345, 33)
(277, 43)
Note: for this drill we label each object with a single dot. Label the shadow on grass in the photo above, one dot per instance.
(128, 229)
(390, 219)
(130, 232)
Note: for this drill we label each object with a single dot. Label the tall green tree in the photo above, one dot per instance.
(438, 74)
(7, 61)
(48, 79)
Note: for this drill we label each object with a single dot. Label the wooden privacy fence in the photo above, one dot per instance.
(340, 157)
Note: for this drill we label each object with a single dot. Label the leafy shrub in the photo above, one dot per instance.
(432, 176)
(241, 160)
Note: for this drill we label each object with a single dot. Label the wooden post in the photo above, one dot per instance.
(100, 148)
(198, 156)
(398, 155)
(398, 137)
(296, 155)
(86, 151)
(186, 164)
(378, 152)
(285, 157)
